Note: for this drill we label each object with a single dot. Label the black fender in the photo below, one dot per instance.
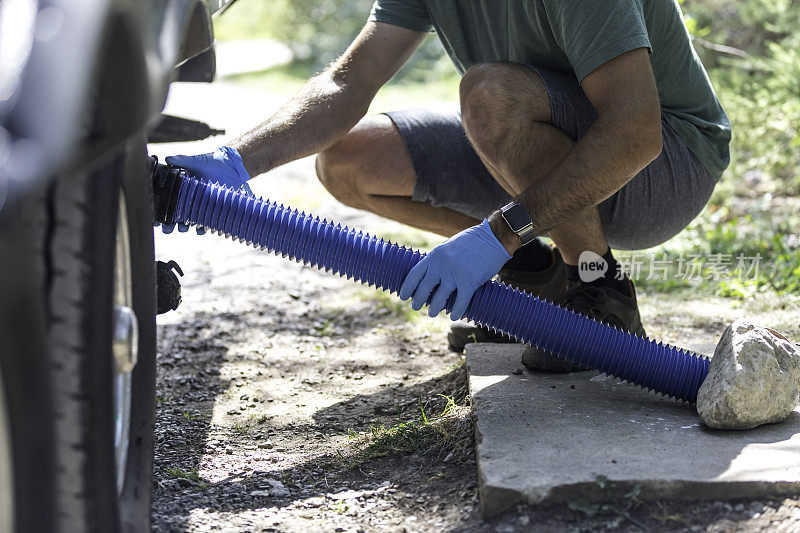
(136, 65)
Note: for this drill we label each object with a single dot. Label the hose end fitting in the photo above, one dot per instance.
(167, 182)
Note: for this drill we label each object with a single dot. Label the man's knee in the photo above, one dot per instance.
(499, 96)
(336, 172)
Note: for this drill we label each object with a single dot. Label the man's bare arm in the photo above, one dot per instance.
(625, 138)
(331, 103)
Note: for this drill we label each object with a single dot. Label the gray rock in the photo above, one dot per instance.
(753, 379)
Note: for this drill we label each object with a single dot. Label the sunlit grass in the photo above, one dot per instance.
(189, 474)
(446, 432)
(289, 78)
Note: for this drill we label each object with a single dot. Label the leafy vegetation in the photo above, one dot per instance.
(757, 75)
(318, 31)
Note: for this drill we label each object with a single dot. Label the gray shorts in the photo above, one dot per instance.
(652, 207)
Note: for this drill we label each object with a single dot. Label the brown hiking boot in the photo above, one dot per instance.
(548, 283)
(597, 301)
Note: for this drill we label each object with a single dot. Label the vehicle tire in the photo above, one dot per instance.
(100, 286)
(26, 432)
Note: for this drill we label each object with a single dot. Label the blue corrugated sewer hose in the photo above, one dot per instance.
(664, 369)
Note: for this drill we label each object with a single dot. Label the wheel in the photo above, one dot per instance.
(102, 344)
(95, 277)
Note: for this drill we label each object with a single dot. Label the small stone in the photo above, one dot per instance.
(517, 371)
(753, 379)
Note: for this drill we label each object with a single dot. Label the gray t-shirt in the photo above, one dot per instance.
(578, 36)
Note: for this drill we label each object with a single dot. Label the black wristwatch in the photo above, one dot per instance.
(519, 221)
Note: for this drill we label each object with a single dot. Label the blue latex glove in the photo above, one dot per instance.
(223, 166)
(462, 263)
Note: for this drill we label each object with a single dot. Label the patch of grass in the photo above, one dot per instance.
(258, 418)
(240, 429)
(192, 475)
(455, 366)
(734, 257)
(328, 321)
(284, 79)
(447, 434)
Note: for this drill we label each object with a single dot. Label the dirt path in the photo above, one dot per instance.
(281, 392)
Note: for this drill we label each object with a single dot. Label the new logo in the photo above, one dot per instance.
(591, 266)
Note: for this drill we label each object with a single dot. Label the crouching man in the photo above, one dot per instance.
(593, 123)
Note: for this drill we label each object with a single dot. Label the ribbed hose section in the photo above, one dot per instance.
(331, 247)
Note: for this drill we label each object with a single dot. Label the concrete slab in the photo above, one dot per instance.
(547, 437)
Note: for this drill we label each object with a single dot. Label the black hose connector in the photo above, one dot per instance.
(166, 185)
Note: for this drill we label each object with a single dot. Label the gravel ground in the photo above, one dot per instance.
(273, 377)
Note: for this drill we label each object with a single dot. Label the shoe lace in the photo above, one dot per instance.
(585, 299)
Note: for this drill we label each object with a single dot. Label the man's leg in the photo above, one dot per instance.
(506, 113)
(370, 169)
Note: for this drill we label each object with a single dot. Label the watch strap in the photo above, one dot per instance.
(523, 230)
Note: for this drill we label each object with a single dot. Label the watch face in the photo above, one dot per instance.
(517, 217)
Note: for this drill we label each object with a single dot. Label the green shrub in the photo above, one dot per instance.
(318, 31)
(759, 87)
